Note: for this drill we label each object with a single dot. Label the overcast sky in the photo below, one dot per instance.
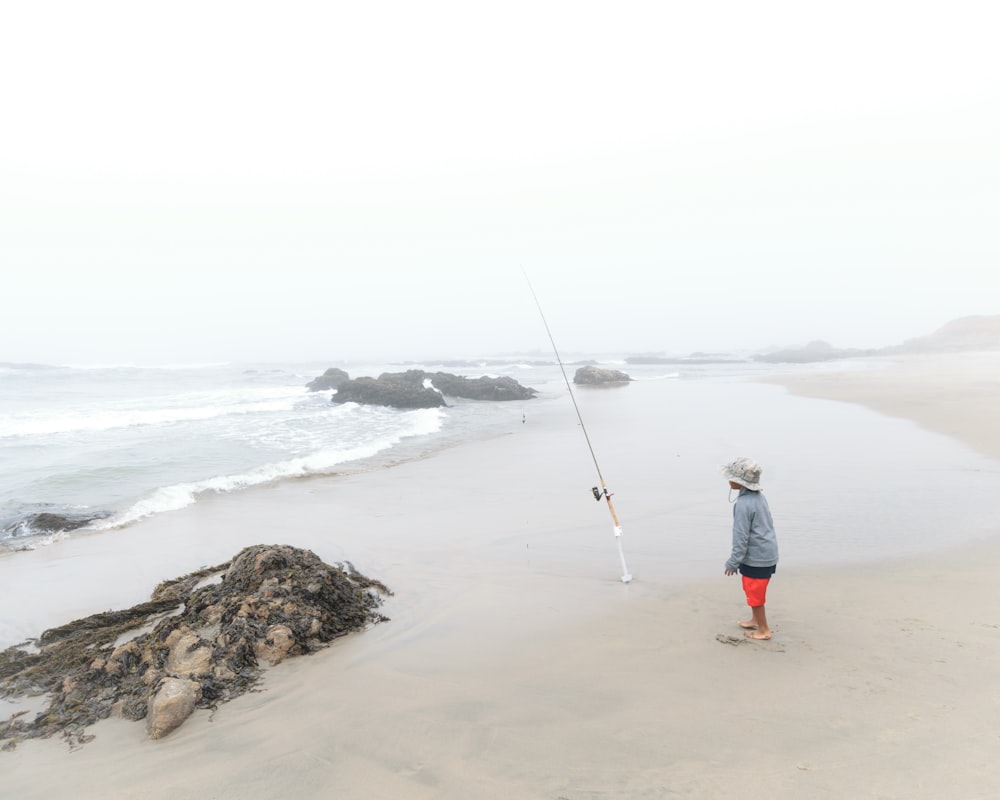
(237, 181)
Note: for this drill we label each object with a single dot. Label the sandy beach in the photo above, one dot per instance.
(954, 394)
(518, 665)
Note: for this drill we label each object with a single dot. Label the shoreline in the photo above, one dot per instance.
(516, 664)
(951, 394)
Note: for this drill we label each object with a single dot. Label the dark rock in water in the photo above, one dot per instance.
(331, 379)
(483, 388)
(416, 388)
(52, 523)
(590, 376)
(388, 390)
(206, 644)
(45, 522)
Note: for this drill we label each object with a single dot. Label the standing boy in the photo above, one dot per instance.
(755, 546)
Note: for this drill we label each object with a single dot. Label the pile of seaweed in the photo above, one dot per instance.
(197, 643)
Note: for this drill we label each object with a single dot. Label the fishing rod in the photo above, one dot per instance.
(602, 491)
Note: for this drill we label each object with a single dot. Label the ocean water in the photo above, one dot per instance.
(110, 445)
(106, 446)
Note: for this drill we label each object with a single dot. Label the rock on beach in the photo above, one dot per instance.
(173, 703)
(592, 376)
(204, 644)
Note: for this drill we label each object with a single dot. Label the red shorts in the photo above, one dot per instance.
(755, 589)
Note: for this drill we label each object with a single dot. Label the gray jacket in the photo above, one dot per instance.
(754, 541)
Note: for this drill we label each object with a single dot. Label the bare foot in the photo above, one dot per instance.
(760, 635)
(747, 624)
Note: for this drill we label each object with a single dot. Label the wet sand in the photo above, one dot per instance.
(954, 394)
(517, 664)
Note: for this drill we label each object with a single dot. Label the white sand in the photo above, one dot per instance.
(517, 665)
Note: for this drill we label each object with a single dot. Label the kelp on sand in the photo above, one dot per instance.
(205, 635)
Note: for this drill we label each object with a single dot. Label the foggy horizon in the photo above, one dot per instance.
(221, 184)
(459, 353)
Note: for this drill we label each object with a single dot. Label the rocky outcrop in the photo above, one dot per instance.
(331, 379)
(593, 376)
(399, 390)
(203, 645)
(483, 388)
(416, 388)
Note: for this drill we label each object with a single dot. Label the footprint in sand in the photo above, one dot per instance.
(771, 645)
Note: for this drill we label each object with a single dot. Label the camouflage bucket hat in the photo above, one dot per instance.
(744, 472)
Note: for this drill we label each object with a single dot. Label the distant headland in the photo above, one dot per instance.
(959, 335)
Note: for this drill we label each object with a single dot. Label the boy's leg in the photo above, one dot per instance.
(756, 592)
(760, 631)
(748, 590)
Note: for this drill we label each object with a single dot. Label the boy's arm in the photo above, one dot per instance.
(741, 535)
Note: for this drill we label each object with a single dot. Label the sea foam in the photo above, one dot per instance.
(321, 462)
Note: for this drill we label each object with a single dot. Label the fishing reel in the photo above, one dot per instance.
(598, 494)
